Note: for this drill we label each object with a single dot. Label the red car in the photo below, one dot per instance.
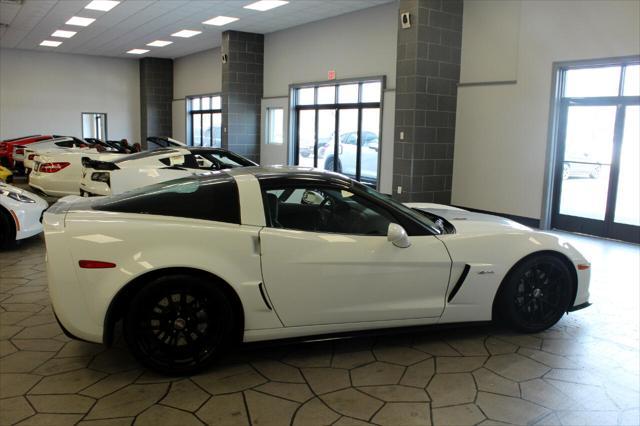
(6, 147)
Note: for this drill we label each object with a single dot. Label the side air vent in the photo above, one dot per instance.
(458, 284)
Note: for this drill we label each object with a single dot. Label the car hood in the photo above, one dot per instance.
(467, 222)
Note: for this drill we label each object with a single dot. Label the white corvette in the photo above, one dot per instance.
(248, 254)
(20, 213)
(146, 168)
(27, 154)
(59, 173)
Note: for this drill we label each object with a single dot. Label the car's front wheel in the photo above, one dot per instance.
(536, 294)
(7, 229)
(177, 324)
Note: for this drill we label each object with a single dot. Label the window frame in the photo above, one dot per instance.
(295, 109)
(211, 111)
(411, 225)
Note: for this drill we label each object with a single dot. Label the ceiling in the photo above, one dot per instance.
(134, 23)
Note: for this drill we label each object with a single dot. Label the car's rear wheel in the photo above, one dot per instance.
(536, 294)
(178, 324)
(7, 229)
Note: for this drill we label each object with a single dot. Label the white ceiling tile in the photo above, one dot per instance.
(134, 23)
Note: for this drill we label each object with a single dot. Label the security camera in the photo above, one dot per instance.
(405, 18)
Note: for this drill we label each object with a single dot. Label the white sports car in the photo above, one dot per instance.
(146, 168)
(20, 213)
(249, 254)
(59, 173)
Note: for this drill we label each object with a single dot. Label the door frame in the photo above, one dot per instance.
(555, 143)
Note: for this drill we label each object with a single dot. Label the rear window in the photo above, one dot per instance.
(211, 197)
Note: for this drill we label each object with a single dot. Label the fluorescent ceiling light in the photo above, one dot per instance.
(220, 21)
(80, 21)
(264, 5)
(51, 43)
(63, 34)
(103, 5)
(186, 33)
(159, 43)
(137, 51)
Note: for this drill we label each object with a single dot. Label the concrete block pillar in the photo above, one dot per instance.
(242, 75)
(156, 97)
(427, 75)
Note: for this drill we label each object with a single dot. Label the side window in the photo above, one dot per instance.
(65, 144)
(321, 209)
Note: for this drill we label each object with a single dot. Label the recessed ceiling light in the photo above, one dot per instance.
(63, 34)
(220, 21)
(264, 5)
(186, 33)
(51, 43)
(137, 51)
(80, 21)
(159, 43)
(103, 5)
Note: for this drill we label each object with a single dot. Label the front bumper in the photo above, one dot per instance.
(578, 307)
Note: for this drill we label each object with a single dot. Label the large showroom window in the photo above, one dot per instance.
(204, 121)
(597, 179)
(338, 128)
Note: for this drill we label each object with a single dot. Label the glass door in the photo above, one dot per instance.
(597, 180)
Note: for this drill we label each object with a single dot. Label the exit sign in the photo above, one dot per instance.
(331, 75)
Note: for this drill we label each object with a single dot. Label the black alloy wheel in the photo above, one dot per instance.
(178, 324)
(536, 294)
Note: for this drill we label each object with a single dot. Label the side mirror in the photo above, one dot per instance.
(398, 236)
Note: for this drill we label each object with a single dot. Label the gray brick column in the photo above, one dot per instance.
(156, 96)
(242, 92)
(427, 74)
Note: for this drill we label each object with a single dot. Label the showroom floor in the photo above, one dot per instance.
(583, 371)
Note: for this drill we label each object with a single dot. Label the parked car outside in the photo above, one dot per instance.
(348, 154)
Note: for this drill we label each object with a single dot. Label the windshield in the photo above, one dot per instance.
(435, 228)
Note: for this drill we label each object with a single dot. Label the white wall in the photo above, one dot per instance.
(46, 92)
(196, 74)
(501, 130)
(358, 44)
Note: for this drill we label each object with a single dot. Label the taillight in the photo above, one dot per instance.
(95, 264)
(52, 167)
(20, 151)
(31, 156)
(583, 266)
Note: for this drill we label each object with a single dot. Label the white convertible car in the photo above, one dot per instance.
(59, 173)
(249, 254)
(146, 168)
(20, 213)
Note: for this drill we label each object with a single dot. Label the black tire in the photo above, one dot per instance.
(328, 164)
(178, 324)
(536, 294)
(7, 230)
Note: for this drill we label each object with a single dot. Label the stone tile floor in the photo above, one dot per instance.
(583, 371)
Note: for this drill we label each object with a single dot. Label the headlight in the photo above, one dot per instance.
(100, 177)
(17, 196)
